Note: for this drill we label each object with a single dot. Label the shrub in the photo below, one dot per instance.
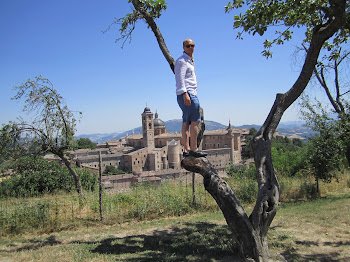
(109, 170)
(24, 217)
(34, 176)
(247, 190)
(308, 190)
(245, 184)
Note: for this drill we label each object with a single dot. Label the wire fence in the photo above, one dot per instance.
(66, 210)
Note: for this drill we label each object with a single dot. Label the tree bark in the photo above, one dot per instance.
(76, 178)
(150, 21)
(249, 240)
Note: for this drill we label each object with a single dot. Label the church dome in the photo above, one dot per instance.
(147, 110)
(158, 123)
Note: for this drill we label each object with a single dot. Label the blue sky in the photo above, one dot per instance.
(63, 41)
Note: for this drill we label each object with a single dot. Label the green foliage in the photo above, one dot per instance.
(112, 170)
(54, 124)
(10, 145)
(25, 217)
(289, 156)
(85, 143)
(247, 190)
(88, 180)
(286, 144)
(309, 190)
(289, 163)
(260, 15)
(36, 176)
(148, 201)
(151, 8)
(326, 149)
(144, 202)
(248, 152)
(324, 156)
(52, 128)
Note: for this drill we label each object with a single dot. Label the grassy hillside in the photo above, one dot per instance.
(162, 224)
(303, 231)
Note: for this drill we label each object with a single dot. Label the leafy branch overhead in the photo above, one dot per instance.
(153, 8)
(286, 15)
(147, 11)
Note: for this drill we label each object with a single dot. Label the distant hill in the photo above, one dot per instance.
(290, 129)
(175, 125)
(295, 130)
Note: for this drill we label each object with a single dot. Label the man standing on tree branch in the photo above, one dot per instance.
(186, 91)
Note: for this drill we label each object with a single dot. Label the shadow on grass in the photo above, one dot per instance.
(293, 250)
(193, 242)
(329, 257)
(35, 244)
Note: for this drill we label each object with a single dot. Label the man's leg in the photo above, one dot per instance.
(194, 134)
(185, 136)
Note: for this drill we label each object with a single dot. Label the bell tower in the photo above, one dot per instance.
(148, 128)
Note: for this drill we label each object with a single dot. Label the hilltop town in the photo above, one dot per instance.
(156, 154)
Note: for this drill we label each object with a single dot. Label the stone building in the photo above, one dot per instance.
(159, 152)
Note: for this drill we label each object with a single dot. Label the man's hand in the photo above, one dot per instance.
(187, 99)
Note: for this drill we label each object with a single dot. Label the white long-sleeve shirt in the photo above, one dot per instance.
(185, 75)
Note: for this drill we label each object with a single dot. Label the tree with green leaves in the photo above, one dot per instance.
(247, 151)
(324, 156)
(322, 21)
(85, 143)
(331, 73)
(35, 176)
(52, 127)
(326, 147)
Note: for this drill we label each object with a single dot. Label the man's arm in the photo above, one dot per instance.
(180, 72)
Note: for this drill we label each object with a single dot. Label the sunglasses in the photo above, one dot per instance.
(188, 46)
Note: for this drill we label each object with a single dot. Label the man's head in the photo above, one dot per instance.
(188, 46)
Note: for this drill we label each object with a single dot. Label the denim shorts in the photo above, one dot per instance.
(192, 112)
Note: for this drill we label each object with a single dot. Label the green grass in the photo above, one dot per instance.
(203, 236)
(58, 212)
(162, 224)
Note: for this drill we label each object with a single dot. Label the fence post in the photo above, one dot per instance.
(193, 189)
(100, 184)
